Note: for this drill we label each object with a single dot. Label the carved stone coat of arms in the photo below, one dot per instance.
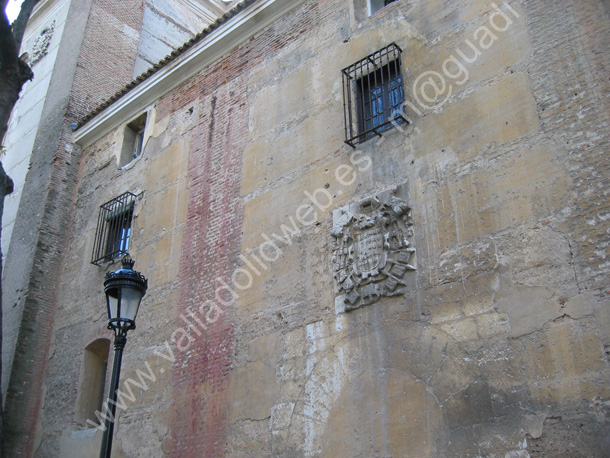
(372, 251)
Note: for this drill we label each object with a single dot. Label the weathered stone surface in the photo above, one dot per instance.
(497, 345)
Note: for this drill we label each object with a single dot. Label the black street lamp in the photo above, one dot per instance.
(124, 290)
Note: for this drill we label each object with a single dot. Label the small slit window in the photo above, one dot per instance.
(133, 139)
(113, 232)
(373, 95)
(376, 5)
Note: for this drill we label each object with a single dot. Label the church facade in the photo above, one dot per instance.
(370, 229)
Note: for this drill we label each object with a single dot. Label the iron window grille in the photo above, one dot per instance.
(113, 231)
(373, 95)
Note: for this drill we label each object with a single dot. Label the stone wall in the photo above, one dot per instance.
(80, 75)
(496, 344)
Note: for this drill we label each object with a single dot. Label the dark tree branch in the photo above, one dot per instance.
(8, 50)
(22, 20)
(14, 73)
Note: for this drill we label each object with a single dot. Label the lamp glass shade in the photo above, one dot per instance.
(123, 303)
(130, 303)
(124, 291)
(113, 303)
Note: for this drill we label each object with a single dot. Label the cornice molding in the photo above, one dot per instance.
(212, 47)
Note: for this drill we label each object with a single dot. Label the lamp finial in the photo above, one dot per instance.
(127, 262)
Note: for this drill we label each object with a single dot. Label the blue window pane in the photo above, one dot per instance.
(382, 97)
(124, 244)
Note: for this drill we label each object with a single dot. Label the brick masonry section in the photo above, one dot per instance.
(108, 54)
(212, 243)
(212, 240)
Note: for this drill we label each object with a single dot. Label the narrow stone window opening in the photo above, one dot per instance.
(376, 5)
(133, 139)
(92, 381)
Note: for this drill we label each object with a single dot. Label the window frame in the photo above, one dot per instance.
(117, 240)
(375, 92)
(114, 227)
(376, 5)
(92, 383)
(379, 71)
(133, 140)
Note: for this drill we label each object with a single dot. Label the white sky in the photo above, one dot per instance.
(12, 9)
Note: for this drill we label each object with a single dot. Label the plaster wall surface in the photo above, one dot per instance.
(498, 344)
(20, 143)
(26, 115)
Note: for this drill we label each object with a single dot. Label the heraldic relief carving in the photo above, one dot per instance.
(371, 242)
(41, 45)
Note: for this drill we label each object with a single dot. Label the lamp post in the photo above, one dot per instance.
(124, 290)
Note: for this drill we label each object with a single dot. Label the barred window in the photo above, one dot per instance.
(113, 231)
(373, 95)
